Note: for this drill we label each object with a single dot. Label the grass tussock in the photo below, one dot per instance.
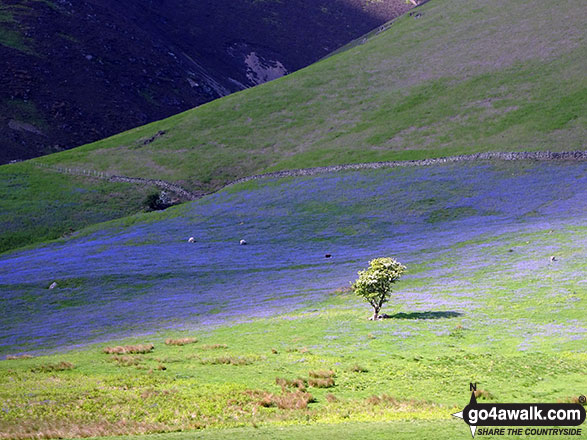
(331, 398)
(358, 369)
(321, 383)
(227, 360)
(48, 368)
(125, 360)
(483, 394)
(287, 400)
(214, 347)
(298, 383)
(47, 429)
(298, 350)
(14, 357)
(130, 349)
(322, 374)
(321, 379)
(181, 341)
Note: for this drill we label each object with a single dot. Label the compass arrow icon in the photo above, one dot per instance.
(459, 415)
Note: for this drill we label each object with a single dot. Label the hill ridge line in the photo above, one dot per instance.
(191, 196)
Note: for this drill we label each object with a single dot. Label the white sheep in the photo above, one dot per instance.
(191, 240)
(53, 285)
(243, 242)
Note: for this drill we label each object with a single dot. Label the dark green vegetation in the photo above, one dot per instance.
(461, 78)
(38, 204)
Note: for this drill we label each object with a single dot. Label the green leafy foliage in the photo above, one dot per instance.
(375, 283)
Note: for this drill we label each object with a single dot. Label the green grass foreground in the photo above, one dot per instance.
(413, 430)
(519, 337)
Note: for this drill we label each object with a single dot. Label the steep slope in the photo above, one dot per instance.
(453, 78)
(75, 72)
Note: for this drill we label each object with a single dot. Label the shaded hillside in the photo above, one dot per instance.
(76, 72)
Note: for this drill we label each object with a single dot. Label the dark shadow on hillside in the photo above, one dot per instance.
(425, 315)
(179, 54)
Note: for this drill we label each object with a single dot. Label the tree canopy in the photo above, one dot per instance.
(375, 283)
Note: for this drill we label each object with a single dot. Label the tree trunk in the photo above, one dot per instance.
(375, 313)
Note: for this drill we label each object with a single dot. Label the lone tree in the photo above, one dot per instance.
(375, 283)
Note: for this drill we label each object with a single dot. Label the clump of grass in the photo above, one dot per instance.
(298, 383)
(457, 332)
(14, 357)
(358, 369)
(287, 400)
(322, 374)
(227, 360)
(483, 394)
(383, 399)
(125, 361)
(59, 366)
(297, 350)
(181, 341)
(321, 383)
(214, 346)
(129, 349)
(331, 398)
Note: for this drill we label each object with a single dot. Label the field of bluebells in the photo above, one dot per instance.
(482, 301)
(126, 280)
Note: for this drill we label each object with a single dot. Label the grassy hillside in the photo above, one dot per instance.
(481, 302)
(144, 264)
(38, 204)
(459, 78)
